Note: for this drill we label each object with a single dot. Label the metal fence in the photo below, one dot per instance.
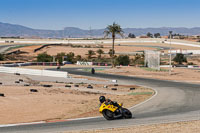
(152, 59)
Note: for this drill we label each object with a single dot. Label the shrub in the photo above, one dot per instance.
(44, 57)
(138, 60)
(179, 58)
(1, 57)
(90, 54)
(123, 60)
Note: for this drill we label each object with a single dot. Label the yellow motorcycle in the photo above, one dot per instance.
(111, 112)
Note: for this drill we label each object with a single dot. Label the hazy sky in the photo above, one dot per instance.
(57, 14)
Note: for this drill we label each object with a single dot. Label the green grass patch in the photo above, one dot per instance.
(154, 70)
(88, 69)
(140, 93)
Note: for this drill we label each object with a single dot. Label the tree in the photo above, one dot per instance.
(100, 52)
(90, 54)
(113, 29)
(123, 60)
(1, 57)
(44, 57)
(149, 35)
(157, 35)
(179, 58)
(60, 57)
(130, 35)
(70, 57)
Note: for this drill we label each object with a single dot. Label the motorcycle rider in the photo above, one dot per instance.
(93, 71)
(103, 99)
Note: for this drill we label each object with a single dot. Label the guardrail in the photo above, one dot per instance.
(34, 72)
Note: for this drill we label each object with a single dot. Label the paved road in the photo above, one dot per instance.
(3, 48)
(174, 101)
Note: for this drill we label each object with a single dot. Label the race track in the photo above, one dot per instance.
(174, 101)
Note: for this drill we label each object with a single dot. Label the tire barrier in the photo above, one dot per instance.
(114, 89)
(17, 73)
(33, 90)
(76, 85)
(101, 64)
(47, 85)
(90, 87)
(105, 86)
(115, 84)
(21, 80)
(17, 82)
(132, 88)
(2, 95)
(43, 46)
(69, 86)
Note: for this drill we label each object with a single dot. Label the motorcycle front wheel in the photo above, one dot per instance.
(108, 115)
(126, 113)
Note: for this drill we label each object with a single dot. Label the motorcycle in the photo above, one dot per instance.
(93, 71)
(111, 112)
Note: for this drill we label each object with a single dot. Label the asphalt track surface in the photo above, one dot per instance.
(174, 101)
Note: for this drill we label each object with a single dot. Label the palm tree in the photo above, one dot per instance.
(100, 52)
(113, 30)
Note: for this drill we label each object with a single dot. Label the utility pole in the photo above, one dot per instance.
(90, 29)
(170, 54)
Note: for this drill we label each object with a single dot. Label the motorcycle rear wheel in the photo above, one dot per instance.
(108, 114)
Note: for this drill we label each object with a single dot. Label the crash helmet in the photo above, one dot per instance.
(102, 99)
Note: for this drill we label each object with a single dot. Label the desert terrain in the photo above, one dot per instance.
(21, 105)
(57, 103)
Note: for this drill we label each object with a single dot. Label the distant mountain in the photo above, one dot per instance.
(8, 30)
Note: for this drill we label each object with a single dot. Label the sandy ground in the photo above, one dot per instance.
(125, 47)
(178, 74)
(178, 127)
(58, 102)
